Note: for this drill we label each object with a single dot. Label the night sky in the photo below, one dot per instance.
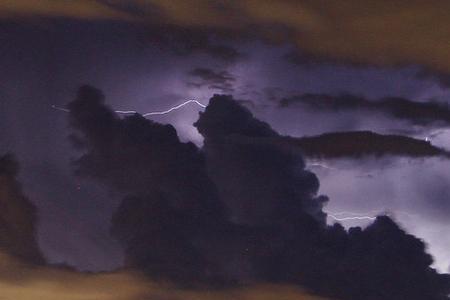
(315, 164)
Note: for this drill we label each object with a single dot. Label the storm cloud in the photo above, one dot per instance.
(238, 208)
(236, 211)
(169, 193)
(417, 113)
(374, 32)
(359, 144)
(184, 41)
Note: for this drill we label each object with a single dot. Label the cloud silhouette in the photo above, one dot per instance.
(358, 144)
(241, 210)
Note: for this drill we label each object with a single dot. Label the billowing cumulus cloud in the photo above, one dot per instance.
(17, 216)
(24, 275)
(239, 210)
(229, 131)
(170, 195)
(416, 113)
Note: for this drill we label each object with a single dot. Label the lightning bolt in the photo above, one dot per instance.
(351, 216)
(356, 213)
(347, 216)
(320, 165)
(127, 112)
(164, 111)
(434, 134)
(371, 215)
(60, 108)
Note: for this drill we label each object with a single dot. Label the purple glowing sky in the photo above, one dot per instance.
(48, 63)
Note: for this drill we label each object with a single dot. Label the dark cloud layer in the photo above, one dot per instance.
(369, 32)
(357, 144)
(17, 216)
(184, 41)
(298, 57)
(417, 113)
(236, 211)
(442, 78)
(170, 197)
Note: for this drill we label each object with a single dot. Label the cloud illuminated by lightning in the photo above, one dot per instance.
(127, 112)
(434, 134)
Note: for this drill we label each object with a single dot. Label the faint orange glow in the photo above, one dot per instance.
(21, 282)
(375, 32)
(81, 9)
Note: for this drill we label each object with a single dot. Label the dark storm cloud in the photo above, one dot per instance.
(238, 211)
(178, 39)
(218, 80)
(368, 32)
(23, 274)
(170, 197)
(17, 216)
(298, 57)
(229, 130)
(185, 41)
(417, 113)
(442, 78)
(357, 144)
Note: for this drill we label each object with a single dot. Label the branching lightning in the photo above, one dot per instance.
(127, 112)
